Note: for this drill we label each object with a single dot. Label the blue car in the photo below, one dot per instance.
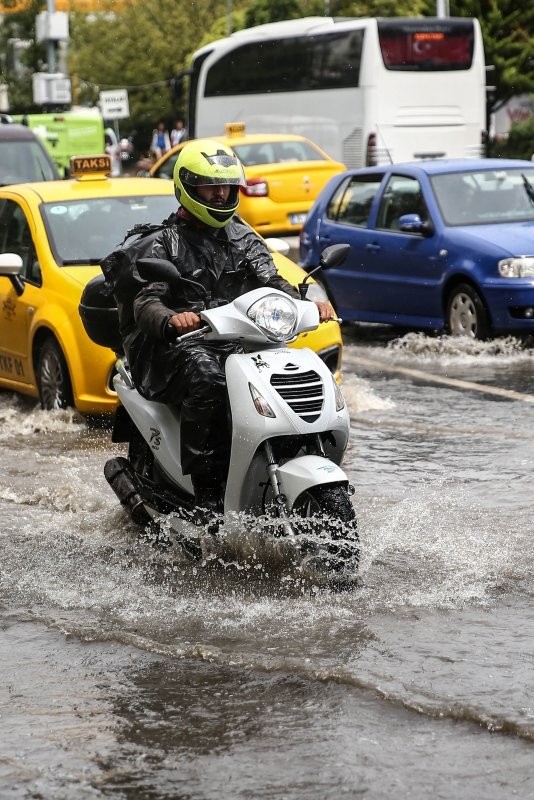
(435, 245)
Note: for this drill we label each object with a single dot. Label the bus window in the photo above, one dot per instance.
(415, 46)
(288, 65)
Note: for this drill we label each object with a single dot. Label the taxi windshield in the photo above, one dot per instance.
(276, 152)
(84, 231)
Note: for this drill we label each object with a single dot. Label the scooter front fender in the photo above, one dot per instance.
(305, 472)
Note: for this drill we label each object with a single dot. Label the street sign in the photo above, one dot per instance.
(51, 88)
(114, 104)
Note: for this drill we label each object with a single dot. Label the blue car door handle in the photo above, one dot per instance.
(374, 248)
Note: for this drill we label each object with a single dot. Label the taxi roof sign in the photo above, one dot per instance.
(92, 167)
(234, 128)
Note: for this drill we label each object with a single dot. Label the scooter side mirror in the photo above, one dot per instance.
(331, 256)
(159, 269)
(334, 255)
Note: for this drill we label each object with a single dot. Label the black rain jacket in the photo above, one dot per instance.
(226, 262)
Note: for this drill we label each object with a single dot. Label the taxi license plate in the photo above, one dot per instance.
(297, 219)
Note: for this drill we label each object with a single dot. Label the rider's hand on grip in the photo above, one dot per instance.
(326, 312)
(184, 322)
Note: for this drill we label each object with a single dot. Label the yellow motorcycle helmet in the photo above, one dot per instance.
(206, 162)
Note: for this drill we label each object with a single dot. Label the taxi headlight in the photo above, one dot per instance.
(276, 316)
(517, 267)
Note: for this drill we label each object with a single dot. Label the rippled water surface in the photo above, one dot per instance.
(128, 673)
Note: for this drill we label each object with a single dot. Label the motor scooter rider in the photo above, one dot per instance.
(223, 258)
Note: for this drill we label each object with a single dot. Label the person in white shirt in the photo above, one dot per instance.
(179, 132)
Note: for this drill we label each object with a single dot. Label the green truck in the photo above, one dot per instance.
(67, 134)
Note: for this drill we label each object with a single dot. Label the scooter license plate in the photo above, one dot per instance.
(297, 219)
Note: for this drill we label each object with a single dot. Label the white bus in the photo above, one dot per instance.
(367, 90)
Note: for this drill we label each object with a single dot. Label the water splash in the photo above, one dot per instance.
(360, 396)
(20, 416)
(461, 348)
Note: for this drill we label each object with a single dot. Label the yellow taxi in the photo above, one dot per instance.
(284, 174)
(53, 235)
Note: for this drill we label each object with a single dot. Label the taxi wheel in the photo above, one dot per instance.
(53, 380)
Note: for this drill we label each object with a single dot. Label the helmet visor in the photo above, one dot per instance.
(230, 174)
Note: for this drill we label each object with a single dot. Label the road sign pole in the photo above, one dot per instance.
(51, 45)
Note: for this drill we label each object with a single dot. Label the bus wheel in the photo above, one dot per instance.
(466, 314)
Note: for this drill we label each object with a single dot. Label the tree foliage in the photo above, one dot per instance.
(139, 48)
(18, 76)
(263, 11)
(518, 144)
(370, 8)
(508, 34)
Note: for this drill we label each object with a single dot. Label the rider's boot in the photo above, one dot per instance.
(208, 500)
(209, 497)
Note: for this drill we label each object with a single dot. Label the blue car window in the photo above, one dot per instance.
(352, 201)
(402, 196)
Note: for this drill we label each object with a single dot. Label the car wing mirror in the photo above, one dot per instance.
(276, 245)
(412, 223)
(10, 267)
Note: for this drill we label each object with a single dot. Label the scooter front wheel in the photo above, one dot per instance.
(330, 529)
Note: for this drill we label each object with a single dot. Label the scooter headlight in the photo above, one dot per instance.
(276, 316)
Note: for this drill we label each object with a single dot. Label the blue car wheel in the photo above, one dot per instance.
(466, 313)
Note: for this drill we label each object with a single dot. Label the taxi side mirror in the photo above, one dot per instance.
(10, 267)
(276, 245)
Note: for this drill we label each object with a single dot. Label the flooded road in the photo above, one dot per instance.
(130, 674)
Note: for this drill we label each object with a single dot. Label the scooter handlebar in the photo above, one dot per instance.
(199, 333)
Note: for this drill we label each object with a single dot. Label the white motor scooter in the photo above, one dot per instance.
(289, 430)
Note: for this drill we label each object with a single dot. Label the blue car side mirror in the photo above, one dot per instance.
(412, 223)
